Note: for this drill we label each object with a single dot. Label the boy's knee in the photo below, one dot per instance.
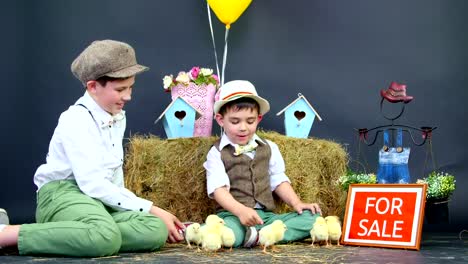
(104, 240)
(160, 233)
(309, 214)
(157, 233)
(308, 217)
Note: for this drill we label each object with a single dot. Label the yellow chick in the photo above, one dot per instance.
(211, 233)
(228, 238)
(319, 231)
(271, 234)
(193, 234)
(334, 229)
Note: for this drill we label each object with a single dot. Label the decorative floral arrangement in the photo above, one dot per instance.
(196, 75)
(440, 185)
(350, 178)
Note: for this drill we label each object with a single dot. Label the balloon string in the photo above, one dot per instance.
(225, 54)
(212, 38)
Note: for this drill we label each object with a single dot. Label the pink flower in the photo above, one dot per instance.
(216, 77)
(194, 72)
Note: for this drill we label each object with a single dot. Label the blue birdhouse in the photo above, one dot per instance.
(179, 119)
(299, 117)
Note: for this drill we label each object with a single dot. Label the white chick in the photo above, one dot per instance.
(193, 234)
(211, 233)
(334, 229)
(271, 234)
(228, 238)
(319, 231)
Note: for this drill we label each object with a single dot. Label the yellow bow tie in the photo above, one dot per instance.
(251, 146)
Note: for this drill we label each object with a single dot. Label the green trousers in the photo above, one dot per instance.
(299, 225)
(70, 223)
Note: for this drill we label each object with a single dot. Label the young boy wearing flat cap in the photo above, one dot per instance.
(243, 171)
(83, 208)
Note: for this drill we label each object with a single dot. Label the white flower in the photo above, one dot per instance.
(167, 81)
(183, 77)
(206, 71)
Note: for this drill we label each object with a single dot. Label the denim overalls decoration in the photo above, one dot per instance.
(393, 161)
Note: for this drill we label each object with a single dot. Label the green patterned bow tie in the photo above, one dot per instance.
(251, 146)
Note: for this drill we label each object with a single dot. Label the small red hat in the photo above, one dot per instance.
(396, 93)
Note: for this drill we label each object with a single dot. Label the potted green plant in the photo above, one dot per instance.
(352, 177)
(440, 186)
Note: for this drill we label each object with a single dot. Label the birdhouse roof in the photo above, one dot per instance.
(197, 113)
(297, 99)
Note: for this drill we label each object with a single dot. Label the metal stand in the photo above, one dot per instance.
(426, 132)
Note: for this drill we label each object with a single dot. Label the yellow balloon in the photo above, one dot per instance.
(228, 11)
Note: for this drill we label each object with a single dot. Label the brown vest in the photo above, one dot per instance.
(249, 178)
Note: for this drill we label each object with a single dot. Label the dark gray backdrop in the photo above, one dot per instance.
(339, 54)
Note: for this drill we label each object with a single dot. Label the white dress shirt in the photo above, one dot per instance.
(217, 177)
(88, 148)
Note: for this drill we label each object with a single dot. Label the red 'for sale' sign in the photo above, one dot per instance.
(387, 215)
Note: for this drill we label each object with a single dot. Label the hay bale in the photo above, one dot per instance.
(313, 166)
(171, 173)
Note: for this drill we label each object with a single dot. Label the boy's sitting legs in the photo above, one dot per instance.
(299, 225)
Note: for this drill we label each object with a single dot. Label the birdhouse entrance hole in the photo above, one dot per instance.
(180, 115)
(299, 115)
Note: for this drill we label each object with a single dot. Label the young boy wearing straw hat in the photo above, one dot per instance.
(83, 208)
(243, 170)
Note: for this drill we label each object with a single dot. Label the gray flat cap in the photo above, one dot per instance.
(106, 58)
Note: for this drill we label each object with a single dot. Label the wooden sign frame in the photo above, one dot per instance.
(409, 236)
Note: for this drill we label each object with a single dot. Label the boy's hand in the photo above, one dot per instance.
(287, 194)
(249, 217)
(313, 207)
(172, 223)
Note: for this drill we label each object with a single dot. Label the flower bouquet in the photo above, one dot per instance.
(198, 87)
(196, 75)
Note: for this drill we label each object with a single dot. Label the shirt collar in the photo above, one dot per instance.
(226, 141)
(102, 117)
